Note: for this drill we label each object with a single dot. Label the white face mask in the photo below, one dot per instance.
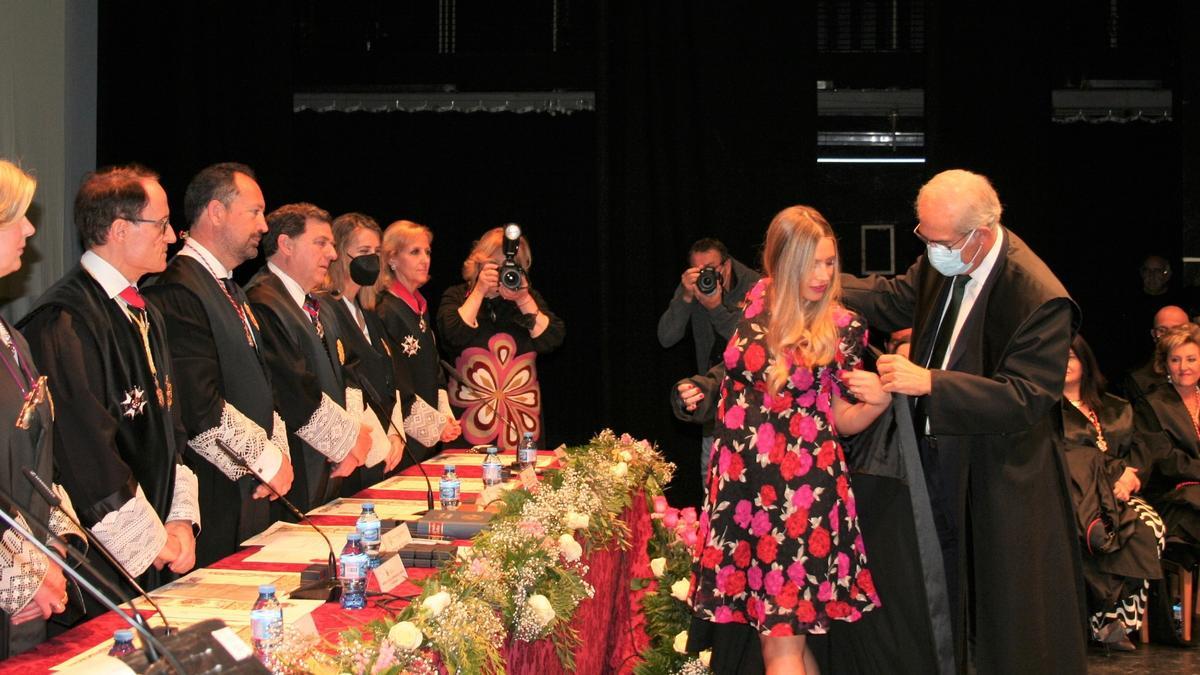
(949, 261)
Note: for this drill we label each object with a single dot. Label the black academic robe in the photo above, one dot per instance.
(216, 367)
(995, 419)
(415, 352)
(113, 432)
(1170, 468)
(23, 448)
(302, 367)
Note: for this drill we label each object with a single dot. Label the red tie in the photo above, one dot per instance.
(133, 298)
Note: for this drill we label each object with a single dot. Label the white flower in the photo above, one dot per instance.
(625, 455)
(569, 548)
(658, 566)
(706, 656)
(436, 602)
(680, 589)
(578, 521)
(680, 643)
(620, 469)
(406, 635)
(539, 605)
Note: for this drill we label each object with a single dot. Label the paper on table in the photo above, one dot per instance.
(418, 483)
(223, 584)
(280, 528)
(398, 509)
(296, 543)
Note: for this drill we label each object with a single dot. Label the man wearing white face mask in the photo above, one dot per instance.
(992, 327)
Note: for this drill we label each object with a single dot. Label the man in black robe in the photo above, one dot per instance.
(118, 441)
(221, 378)
(991, 327)
(305, 354)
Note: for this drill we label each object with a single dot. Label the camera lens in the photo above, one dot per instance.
(510, 277)
(706, 282)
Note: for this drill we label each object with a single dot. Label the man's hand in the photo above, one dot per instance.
(712, 300)
(1127, 484)
(395, 455)
(451, 431)
(690, 394)
(488, 280)
(181, 531)
(866, 387)
(50, 598)
(169, 552)
(688, 280)
(901, 376)
(362, 446)
(281, 481)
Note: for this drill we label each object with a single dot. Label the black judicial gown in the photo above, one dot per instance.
(1170, 467)
(415, 352)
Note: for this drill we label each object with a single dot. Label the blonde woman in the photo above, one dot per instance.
(398, 302)
(493, 335)
(780, 548)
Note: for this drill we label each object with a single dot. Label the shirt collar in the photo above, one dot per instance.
(989, 261)
(194, 249)
(294, 289)
(112, 281)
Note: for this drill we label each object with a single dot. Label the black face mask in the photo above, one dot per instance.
(364, 269)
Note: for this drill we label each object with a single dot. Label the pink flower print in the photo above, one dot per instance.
(802, 378)
(764, 440)
(773, 582)
(834, 522)
(851, 508)
(806, 462)
(807, 399)
(735, 417)
(742, 513)
(823, 400)
(761, 524)
(843, 563)
(731, 353)
(803, 497)
(841, 318)
(808, 429)
(754, 576)
(503, 386)
(825, 591)
(722, 614)
(796, 574)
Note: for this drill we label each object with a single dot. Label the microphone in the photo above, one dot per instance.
(154, 646)
(326, 589)
(54, 501)
(369, 390)
(454, 375)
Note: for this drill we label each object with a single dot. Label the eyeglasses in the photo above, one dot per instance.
(938, 244)
(162, 223)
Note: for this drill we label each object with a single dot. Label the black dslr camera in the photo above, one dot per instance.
(512, 275)
(708, 279)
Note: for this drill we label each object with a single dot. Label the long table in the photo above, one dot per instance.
(610, 628)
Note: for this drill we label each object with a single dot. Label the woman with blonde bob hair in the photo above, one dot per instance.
(493, 335)
(779, 546)
(398, 302)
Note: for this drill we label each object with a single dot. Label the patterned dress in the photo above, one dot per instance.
(779, 545)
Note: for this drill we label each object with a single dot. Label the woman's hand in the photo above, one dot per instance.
(451, 431)
(1127, 484)
(690, 394)
(487, 281)
(866, 387)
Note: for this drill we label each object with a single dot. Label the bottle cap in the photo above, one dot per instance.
(368, 506)
(354, 536)
(493, 450)
(528, 435)
(123, 635)
(266, 589)
(450, 468)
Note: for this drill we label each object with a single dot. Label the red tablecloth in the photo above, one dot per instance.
(610, 630)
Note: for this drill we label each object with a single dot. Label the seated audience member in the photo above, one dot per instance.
(1121, 535)
(493, 335)
(119, 443)
(1139, 382)
(32, 589)
(303, 349)
(404, 313)
(367, 349)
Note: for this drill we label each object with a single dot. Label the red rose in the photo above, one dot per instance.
(794, 424)
(797, 523)
(805, 613)
(736, 466)
(781, 630)
(837, 609)
(741, 554)
(818, 542)
(778, 450)
(754, 358)
(790, 466)
(767, 495)
(754, 608)
(780, 402)
(711, 557)
(865, 582)
(788, 596)
(826, 455)
(738, 386)
(736, 583)
(767, 549)
(843, 487)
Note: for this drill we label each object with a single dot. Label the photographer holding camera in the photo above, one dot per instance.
(493, 327)
(709, 297)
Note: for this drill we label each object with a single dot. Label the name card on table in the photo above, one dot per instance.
(529, 479)
(561, 451)
(395, 539)
(306, 626)
(390, 574)
(490, 494)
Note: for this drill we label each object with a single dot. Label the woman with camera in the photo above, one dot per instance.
(493, 327)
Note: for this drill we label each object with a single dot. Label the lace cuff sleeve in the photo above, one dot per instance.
(397, 425)
(21, 570)
(185, 502)
(246, 438)
(331, 431)
(61, 517)
(133, 533)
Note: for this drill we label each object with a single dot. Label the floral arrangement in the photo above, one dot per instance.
(522, 579)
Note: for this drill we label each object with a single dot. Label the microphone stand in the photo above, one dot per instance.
(369, 390)
(154, 647)
(54, 501)
(329, 589)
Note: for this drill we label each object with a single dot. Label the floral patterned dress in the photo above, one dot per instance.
(779, 546)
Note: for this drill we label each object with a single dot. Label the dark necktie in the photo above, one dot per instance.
(312, 307)
(237, 298)
(941, 343)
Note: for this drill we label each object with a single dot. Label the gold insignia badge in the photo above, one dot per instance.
(341, 352)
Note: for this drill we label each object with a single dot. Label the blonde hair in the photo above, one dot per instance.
(484, 250)
(1174, 338)
(16, 192)
(344, 227)
(802, 332)
(397, 235)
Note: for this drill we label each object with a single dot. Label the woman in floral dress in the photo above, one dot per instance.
(780, 548)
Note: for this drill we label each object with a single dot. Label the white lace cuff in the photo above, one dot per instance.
(397, 425)
(61, 517)
(22, 568)
(185, 502)
(380, 445)
(243, 436)
(444, 404)
(133, 533)
(279, 435)
(424, 423)
(331, 431)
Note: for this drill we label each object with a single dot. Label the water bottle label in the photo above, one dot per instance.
(369, 531)
(528, 455)
(352, 568)
(448, 489)
(260, 623)
(491, 473)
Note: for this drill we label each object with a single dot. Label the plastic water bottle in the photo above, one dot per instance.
(368, 529)
(352, 571)
(527, 452)
(266, 622)
(122, 643)
(492, 469)
(449, 487)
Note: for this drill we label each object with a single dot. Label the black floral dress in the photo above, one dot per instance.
(779, 546)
